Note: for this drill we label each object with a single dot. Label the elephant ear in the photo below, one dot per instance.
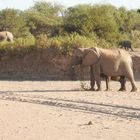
(90, 57)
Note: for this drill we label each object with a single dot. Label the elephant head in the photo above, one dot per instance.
(85, 57)
(90, 57)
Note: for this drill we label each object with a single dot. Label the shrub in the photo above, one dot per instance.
(67, 42)
(18, 44)
(63, 44)
(41, 40)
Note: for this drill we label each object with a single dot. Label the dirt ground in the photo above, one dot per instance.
(59, 110)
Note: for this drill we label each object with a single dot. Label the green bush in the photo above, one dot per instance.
(67, 42)
(4, 45)
(18, 44)
(64, 44)
(41, 41)
(135, 38)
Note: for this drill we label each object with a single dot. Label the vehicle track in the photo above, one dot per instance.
(127, 112)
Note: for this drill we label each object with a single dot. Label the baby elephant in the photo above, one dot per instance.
(121, 79)
(5, 35)
(126, 44)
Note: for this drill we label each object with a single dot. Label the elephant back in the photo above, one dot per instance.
(111, 53)
(125, 55)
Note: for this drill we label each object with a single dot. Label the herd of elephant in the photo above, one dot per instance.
(102, 62)
(115, 63)
(8, 36)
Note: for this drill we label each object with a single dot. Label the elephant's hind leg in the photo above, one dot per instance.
(92, 79)
(98, 82)
(107, 79)
(134, 88)
(96, 75)
(122, 82)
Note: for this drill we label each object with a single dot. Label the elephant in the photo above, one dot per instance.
(126, 44)
(107, 79)
(114, 63)
(6, 35)
(77, 60)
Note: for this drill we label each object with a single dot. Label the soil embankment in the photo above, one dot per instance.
(59, 110)
(45, 64)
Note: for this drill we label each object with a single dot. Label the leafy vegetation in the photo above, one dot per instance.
(52, 25)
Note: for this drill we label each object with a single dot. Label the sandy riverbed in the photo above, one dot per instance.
(59, 110)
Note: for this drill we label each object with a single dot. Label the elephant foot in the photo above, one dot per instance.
(108, 89)
(134, 89)
(90, 89)
(98, 89)
(122, 89)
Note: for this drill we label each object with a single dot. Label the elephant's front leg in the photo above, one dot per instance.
(96, 74)
(92, 79)
(98, 82)
(107, 79)
(122, 82)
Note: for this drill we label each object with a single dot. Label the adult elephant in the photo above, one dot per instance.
(112, 63)
(77, 60)
(5, 35)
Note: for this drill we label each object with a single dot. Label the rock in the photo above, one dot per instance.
(90, 123)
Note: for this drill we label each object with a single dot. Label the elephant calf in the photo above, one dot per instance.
(5, 35)
(121, 79)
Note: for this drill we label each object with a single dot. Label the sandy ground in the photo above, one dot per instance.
(59, 110)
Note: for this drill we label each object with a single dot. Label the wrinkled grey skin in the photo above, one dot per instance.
(114, 63)
(126, 44)
(7, 36)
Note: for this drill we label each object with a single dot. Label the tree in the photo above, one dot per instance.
(43, 18)
(86, 19)
(76, 19)
(13, 21)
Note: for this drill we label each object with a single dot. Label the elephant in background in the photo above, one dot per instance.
(126, 44)
(5, 35)
(114, 63)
